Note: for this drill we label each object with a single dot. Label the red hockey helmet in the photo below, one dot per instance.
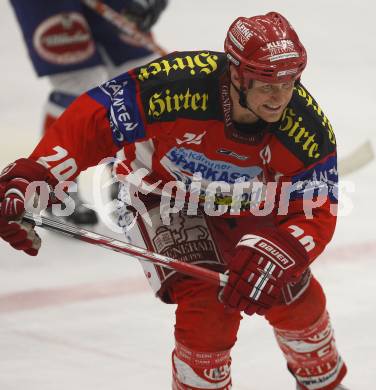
(265, 48)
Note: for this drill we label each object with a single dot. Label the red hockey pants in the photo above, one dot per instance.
(205, 332)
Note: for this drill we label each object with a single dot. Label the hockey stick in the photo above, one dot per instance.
(357, 159)
(353, 162)
(123, 24)
(124, 247)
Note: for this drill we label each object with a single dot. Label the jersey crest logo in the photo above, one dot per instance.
(191, 138)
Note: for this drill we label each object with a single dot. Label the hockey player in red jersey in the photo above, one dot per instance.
(203, 124)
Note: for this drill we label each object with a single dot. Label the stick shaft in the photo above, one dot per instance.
(123, 24)
(364, 154)
(357, 159)
(124, 247)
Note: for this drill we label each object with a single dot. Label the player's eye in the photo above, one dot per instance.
(267, 88)
(288, 85)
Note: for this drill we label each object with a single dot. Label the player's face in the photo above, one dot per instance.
(269, 100)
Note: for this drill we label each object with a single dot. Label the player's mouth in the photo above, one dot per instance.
(271, 108)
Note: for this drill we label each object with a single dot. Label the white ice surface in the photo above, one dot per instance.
(81, 318)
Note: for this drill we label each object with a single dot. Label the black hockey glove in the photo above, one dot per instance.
(145, 12)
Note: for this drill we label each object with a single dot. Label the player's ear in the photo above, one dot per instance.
(234, 75)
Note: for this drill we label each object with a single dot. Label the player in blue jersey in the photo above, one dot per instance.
(77, 49)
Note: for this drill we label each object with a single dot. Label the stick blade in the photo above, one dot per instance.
(360, 157)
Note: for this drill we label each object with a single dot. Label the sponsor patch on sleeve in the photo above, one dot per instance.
(313, 181)
(119, 97)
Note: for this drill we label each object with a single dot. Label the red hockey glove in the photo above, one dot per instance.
(14, 180)
(263, 263)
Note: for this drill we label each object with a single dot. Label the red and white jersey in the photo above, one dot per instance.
(173, 117)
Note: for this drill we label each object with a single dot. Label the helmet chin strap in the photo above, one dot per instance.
(243, 99)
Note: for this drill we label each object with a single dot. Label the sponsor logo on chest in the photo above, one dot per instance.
(189, 162)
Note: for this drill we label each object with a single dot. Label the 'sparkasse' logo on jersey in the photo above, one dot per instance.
(203, 62)
(189, 162)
